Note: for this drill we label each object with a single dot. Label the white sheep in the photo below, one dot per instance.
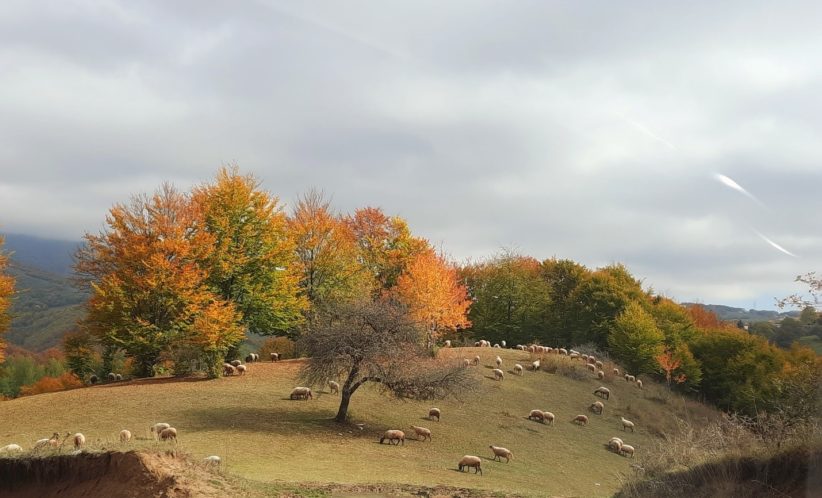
(393, 435)
(448, 344)
(119, 377)
(302, 393)
(639, 383)
(597, 407)
(498, 361)
(535, 366)
(422, 432)
(616, 371)
(275, 356)
(518, 369)
(241, 369)
(229, 369)
(156, 429)
(585, 358)
(12, 448)
(537, 415)
(434, 412)
(53, 441)
(79, 440)
(599, 364)
(469, 461)
(125, 436)
(591, 367)
(170, 433)
(500, 452)
(503, 343)
(334, 387)
(563, 351)
(497, 346)
(466, 362)
(581, 419)
(549, 417)
(627, 424)
(625, 449)
(602, 392)
(573, 356)
(212, 460)
(498, 374)
(476, 360)
(615, 444)
(600, 375)
(235, 363)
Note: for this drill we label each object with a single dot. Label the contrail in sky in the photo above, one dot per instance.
(645, 130)
(730, 183)
(775, 245)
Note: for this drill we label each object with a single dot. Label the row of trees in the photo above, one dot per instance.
(6, 292)
(184, 275)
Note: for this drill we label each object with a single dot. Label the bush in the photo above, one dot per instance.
(52, 384)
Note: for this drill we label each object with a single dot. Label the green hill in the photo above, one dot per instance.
(273, 443)
(729, 313)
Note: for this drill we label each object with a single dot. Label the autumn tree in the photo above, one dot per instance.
(376, 342)
(385, 245)
(327, 253)
(252, 262)
(6, 292)
(148, 289)
(635, 340)
(429, 288)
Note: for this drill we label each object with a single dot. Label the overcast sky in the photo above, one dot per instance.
(585, 130)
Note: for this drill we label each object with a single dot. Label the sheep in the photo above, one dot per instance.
(125, 436)
(503, 343)
(434, 412)
(535, 366)
(630, 378)
(170, 433)
(600, 375)
(477, 344)
(598, 364)
(573, 356)
(111, 376)
(249, 358)
(500, 452)
(79, 440)
(615, 444)
(591, 367)
(11, 448)
(119, 377)
(469, 461)
(497, 346)
(585, 358)
(212, 460)
(422, 432)
(498, 361)
(625, 449)
(537, 415)
(532, 348)
(241, 369)
(476, 360)
(592, 359)
(563, 351)
(498, 374)
(581, 420)
(639, 383)
(518, 369)
(156, 429)
(466, 362)
(301, 393)
(53, 441)
(626, 424)
(275, 357)
(393, 435)
(229, 369)
(448, 344)
(616, 371)
(549, 417)
(334, 387)
(235, 363)
(602, 392)
(597, 407)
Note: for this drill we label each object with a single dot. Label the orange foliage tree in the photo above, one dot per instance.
(704, 318)
(668, 363)
(149, 291)
(65, 381)
(431, 291)
(6, 291)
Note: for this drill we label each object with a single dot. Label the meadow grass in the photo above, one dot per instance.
(261, 435)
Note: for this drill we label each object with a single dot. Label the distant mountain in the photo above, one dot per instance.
(728, 313)
(51, 255)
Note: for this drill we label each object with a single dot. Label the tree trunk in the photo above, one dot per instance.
(342, 413)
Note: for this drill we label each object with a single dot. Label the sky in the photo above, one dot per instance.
(680, 140)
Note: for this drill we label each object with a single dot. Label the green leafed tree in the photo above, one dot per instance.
(635, 340)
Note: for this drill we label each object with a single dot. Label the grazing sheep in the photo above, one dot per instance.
(53, 441)
(477, 344)
(585, 358)
(581, 420)
(630, 378)
(241, 369)
(235, 363)
(249, 358)
(393, 435)
(111, 376)
(79, 440)
(469, 461)
(591, 367)
(597, 407)
(500, 452)
(616, 371)
(535, 366)
(639, 383)
(497, 346)
(626, 424)
(229, 369)
(301, 393)
(498, 361)
(434, 412)
(212, 460)
(448, 344)
(602, 392)
(93, 379)
(625, 449)
(498, 374)
(422, 432)
(156, 429)
(503, 343)
(476, 360)
(170, 433)
(518, 369)
(334, 387)
(119, 377)
(598, 364)
(466, 362)
(532, 348)
(573, 356)
(125, 436)
(537, 415)
(600, 375)
(275, 356)
(563, 351)
(592, 358)
(549, 417)
(11, 448)
(615, 444)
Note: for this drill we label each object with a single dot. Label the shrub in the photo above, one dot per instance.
(52, 384)
(282, 345)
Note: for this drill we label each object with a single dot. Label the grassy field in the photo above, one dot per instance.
(812, 342)
(263, 436)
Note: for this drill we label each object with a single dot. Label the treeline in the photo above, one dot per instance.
(562, 303)
(177, 279)
(789, 330)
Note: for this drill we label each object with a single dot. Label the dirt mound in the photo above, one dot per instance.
(110, 474)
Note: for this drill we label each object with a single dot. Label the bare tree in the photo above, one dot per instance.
(376, 341)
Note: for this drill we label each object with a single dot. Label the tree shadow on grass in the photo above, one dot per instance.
(280, 420)
(150, 381)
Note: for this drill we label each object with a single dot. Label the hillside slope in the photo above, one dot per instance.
(263, 436)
